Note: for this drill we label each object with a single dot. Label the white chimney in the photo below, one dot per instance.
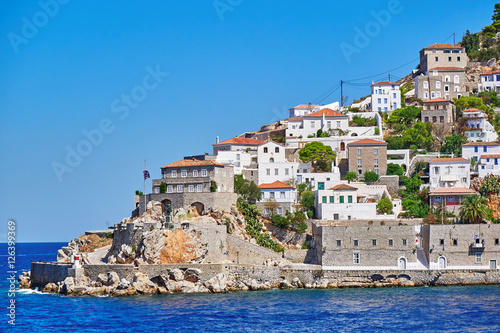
(216, 140)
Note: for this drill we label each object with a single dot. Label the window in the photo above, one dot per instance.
(456, 79)
(426, 119)
(341, 199)
(184, 173)
(349, 199)
(405, 242)
(276, 172)
(170, 188)
(180, 188)
(436, 58)
(195, 173)
(360, 171)
(277, 149)
(374, 242)
(280, 210)
(426, 94)
(355, 258)
(484, 149)
(446, 88)
(321, 185)
(338, 124)
(394, 96)
(339, 243)
(360, 162)
(497, 241)
(449, 59)
(438, 84)
(441, 119)
(391, 242)
(385, 100)
(271, 195)
(191, 188)
(199, 188)
(323, 199)
(376, 171)
(375, 151)
(286, 171)
(282, 194)
(426, 85)
(271, 160)
(204, 172)
(268, 172)
(174, 173)
(379, 100)
(375, 162)
(355, 243)
(328, 124)
(336, 216)
(476, 149)
(312, 124)
(360, 151)
(455, 242)
(479, 258)
(265, 149)
(332, 199)
(434, 119)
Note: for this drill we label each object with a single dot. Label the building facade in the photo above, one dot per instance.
(326, 120)
(439, 112)
(449, 172)
(442, 55)
(236, 144)
(386, 96)
(490, 81)
(449, 198)
(478, 128)
(367, 155)
(277, 198)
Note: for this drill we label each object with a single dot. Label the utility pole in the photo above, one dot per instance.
(341, 93)
(389, 77)
(453, 38)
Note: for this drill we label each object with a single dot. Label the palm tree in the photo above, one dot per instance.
(474, 208)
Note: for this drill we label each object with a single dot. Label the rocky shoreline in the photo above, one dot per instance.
(248, 278)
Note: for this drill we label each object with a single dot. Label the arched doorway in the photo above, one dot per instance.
(402, 263)
(166, 206)
(441, 262)
(342, 146)
(199, 207)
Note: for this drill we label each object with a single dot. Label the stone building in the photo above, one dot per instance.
(440, 112)
(441, 82)
(200, 183)
(367, 155)
(442, 55)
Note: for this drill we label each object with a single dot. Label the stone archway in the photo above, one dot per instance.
(199, 207)
(166, 206)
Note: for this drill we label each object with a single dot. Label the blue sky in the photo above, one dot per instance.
(219, 68)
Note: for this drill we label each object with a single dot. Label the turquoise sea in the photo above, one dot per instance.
(422, 309)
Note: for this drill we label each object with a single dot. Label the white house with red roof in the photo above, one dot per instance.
(303, 110)
(490, 81)
(489, 164)
(449, 198)
(478, 128)
(449, 172)
(386, 96)
(277, 198)
(236, 144)
(326, 120)
(474, 150)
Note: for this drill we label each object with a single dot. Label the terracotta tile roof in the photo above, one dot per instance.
(241, 141)
(367, 142)
(305, 106)
(381, 83)
(326, 112)
(481, 144)
(452, 190)
(437, 100)
(490, 156)
(295, 119)
(190, 163)
(447, 69)
(343, 187)
(276, 184)
(490, 73)
(472, 110)
(442, 46)
(449, 159)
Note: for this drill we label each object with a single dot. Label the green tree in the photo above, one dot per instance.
(163, 187)
(250, 192)
(453, 144)
(318, 154)
(474, 209)
(385, 206)
(496, 13)
(350, 175)
(406, 115)
(395, 169)
(470, 102)
(370, 177)
(307, 200)
(488, 31)
(470, 42)
(238, 181)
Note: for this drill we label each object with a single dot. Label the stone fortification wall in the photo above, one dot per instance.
(46, 272)
(248, 253)
(299, 256)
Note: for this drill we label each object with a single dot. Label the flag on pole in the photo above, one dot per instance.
(146, 174)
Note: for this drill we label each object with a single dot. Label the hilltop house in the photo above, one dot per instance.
(236, 144)
(449, 172)
(478, 128)
(440, 112)
(367, 155)
(277, 198)
(303, 110)
(326, 119)
(386, 96)
(474, 150)
(273, 165)
(442, 55)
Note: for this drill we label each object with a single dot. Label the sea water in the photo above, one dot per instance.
(419, 309)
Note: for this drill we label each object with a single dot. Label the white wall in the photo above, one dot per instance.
(290, 195)
(330, 179)
(274, 151)
(237, 159)
(386, 97)
(451, 174)
(469, 152)
(280, 174)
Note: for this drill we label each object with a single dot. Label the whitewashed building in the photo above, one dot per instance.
(236, 144)
(478, 128)
(277, 198)
(474, 150)
(239, 159)
(490, 81)
(303, 110)
(320, 180)
(449, 172)
(489, 164)
(386, 96)
(326, 119)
